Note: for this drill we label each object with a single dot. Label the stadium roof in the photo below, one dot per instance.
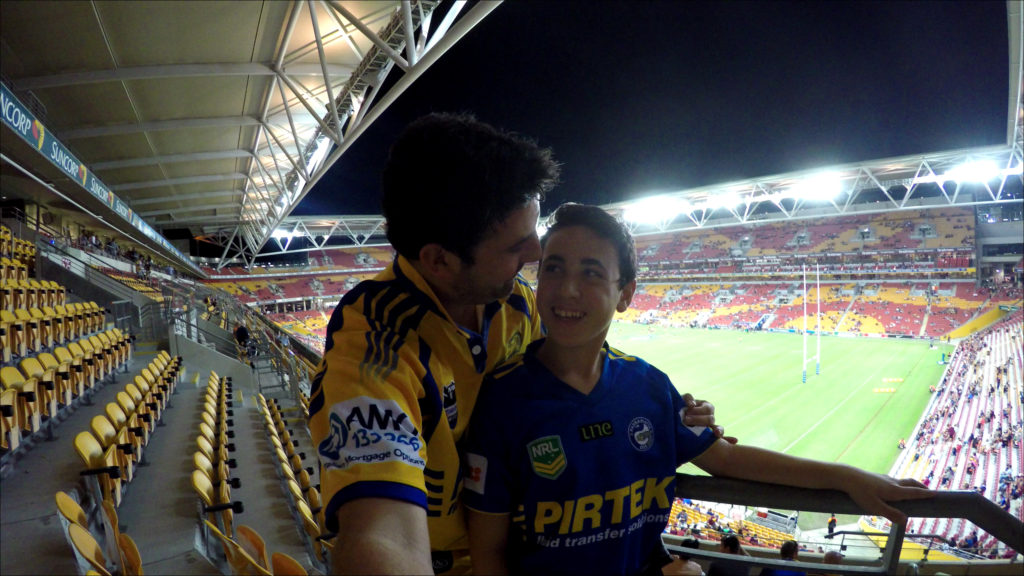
(213, 117)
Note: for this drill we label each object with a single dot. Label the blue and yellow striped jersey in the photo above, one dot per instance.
(395, 390)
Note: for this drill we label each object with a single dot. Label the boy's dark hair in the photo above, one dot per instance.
(449, 178)
(605, 226)
(731, 543)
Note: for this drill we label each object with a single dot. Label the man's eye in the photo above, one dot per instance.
(593, 274)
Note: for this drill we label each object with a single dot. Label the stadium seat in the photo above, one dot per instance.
(132, 565)
(86, 547)
(30, 398)
(57, 320)
(33, 328)
(80, 349)
(284, 565)
(237, 558)
(70, 510)
(114, 438)
(76, 370)
(46, 378)
(102, 473)
(45, 326)
(10, 420)
(253, 544)
(14, 335)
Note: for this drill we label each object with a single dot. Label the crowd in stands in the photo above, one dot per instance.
(971, 436)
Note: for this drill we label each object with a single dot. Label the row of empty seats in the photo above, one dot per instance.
(242, 549)
(41, 390)
(99, 546)
(115, 444)
(304, 497)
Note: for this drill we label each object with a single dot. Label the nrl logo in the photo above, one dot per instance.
(547, 457)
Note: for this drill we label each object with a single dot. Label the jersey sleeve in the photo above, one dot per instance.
(691, 441)
(365, 419)
(485, 487)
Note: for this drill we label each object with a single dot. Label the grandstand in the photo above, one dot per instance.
(126, 261)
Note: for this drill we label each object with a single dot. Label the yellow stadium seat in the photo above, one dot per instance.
(282, 564)
(86, 547)
(102, 471)
(10, 420)
(30, 399)
(47, 385)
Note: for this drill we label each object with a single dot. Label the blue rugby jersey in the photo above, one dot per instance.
(587, 479)
(395, 390)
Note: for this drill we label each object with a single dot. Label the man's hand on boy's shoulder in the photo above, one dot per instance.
(702, 413)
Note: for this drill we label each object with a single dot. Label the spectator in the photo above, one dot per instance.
(729, 545)
(831, 525)
(788, 553)
(683, 565)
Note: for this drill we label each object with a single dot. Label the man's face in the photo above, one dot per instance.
(499, 257)
(578, 287)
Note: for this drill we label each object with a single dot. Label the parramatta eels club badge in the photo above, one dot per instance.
(547, 456)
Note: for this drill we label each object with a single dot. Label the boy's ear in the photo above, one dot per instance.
(626, 296)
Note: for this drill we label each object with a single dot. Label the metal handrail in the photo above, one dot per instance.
(960, 504)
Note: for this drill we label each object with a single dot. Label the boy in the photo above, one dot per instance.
(581, 478)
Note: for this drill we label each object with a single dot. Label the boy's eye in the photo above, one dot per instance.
(592, 274)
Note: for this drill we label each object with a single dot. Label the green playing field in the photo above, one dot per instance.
(846, 414)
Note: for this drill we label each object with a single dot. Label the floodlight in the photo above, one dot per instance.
(279, 234)
(727, 200)
(655, 209)
(977, 171)
(823, 186)
(323, 146)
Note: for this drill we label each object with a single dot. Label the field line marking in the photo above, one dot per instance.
(836, 407)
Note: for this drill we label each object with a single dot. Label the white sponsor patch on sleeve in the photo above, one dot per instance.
(476, 474)
(366, 430)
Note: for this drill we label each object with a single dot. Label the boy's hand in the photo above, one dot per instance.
(702, 413)
(872, 491)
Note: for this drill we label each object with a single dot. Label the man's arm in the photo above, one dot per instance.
(870, 491)
(488, 539)
(381, 536)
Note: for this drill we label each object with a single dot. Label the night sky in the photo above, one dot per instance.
(643, 97)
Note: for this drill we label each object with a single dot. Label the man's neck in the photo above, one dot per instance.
(578, 366)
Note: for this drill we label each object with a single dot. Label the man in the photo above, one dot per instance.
(831, 525)
(406, 351)
(729, 545)
(788, 552)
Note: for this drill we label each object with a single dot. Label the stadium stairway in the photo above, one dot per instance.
(159, 509)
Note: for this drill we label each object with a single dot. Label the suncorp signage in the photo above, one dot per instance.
(18, 118)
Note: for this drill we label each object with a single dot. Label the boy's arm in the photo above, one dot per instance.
(870, 491)
(381, 536)
(488, 539)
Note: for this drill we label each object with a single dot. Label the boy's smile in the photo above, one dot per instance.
(578, 289)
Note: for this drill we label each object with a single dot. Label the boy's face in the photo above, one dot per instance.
(578, 287)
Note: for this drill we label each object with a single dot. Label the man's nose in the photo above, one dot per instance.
(532, 252)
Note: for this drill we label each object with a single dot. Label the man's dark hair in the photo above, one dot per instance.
(603, 225)
(731, 543)
(788, 550)
(449, 178)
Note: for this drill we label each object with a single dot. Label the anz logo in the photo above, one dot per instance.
(367, 430)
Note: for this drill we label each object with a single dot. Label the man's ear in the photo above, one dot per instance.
(626, 297)
(437, 262)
